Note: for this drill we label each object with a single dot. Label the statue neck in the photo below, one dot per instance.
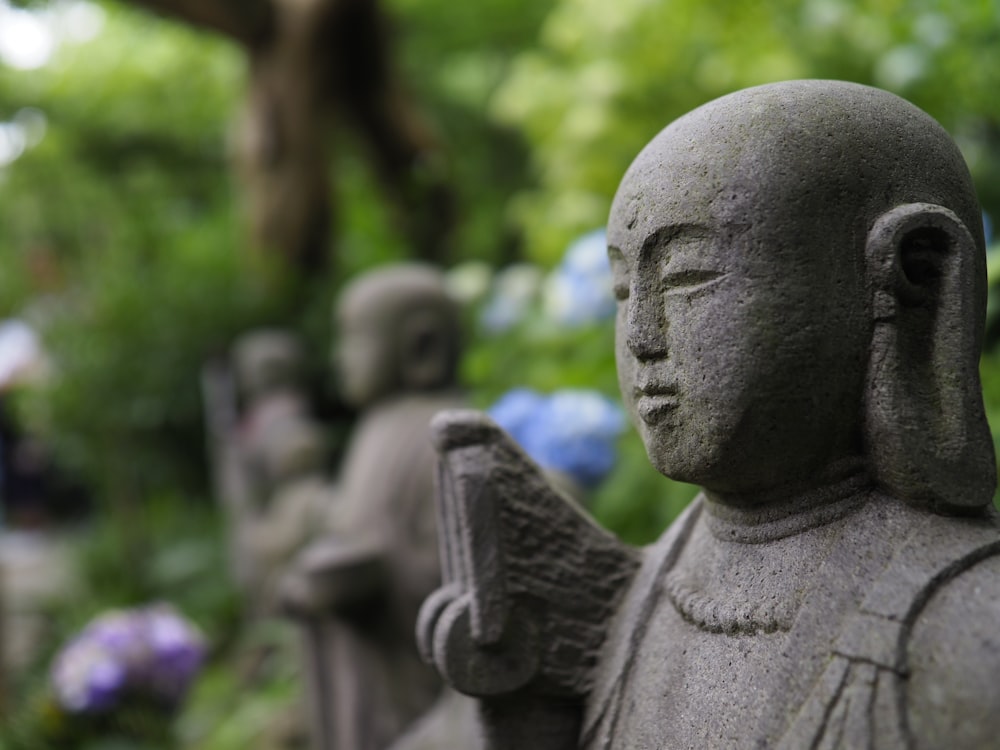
(760, 517)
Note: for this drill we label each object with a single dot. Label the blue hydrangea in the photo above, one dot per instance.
(149, 651)
(572, 431)
(516, 410)
(580, 290)
(514, 293)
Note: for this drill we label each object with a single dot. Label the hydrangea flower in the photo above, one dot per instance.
(572, 431)
(176, 653)
(87, 676)
(150, 651)
(515, 411)
(515, 290)
(580, 290)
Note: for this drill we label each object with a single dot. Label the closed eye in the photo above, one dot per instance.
(690, 280)
(619, 273)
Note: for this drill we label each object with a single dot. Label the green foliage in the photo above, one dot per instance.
(607, 76)
(129, 155)
(121, 241)
(169, 550)
(121, 231)
(453, 57)
(251, 699)
(123, 402)
(43, 725)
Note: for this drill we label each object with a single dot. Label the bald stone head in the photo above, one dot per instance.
(266, 360)
(801, 282)
(398, 333)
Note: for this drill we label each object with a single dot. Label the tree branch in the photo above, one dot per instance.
(247, 22)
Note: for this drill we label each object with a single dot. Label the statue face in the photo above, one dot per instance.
(365, 357)
(742, 330)
(398, 333)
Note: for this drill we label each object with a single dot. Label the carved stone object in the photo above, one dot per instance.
(248, 402)
(294, 457)
(356, 591)
(801, 288)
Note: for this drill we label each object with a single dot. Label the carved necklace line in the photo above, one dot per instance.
(717, 615)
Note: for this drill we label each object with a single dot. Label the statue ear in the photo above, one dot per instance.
(925, 427)
(426, 354)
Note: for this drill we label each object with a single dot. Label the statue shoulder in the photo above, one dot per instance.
(953, 657)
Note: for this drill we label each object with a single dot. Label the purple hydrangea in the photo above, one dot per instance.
(572, 431)
(87, 676)
(176, 653)
(150, 651)
(580, 290)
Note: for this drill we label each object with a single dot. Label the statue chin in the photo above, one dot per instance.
(672, 466)
(684, 454)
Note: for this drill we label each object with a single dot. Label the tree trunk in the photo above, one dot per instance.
(313, 63)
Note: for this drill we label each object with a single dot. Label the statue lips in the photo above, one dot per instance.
(654, 400)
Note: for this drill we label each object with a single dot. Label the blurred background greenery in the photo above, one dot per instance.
(131, 240)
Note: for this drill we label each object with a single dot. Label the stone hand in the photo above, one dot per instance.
(332, 576)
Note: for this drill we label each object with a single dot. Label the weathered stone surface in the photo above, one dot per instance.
(800, 277)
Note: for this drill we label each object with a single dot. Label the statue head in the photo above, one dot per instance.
(801, 282)
(267, 360)
(399, 332)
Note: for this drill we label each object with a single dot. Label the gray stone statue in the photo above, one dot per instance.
(294, 458)
(801, 286)
(356, 591)
(250, 399)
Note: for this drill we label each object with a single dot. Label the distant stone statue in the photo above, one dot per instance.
(801, 286)
(294, 458)
(357, 590)
(251, 400)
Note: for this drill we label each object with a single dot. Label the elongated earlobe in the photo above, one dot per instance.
(925, 427)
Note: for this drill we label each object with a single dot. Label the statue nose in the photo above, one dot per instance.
(646, 332)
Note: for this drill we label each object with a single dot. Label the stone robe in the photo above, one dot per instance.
(810, 630)
(368, 683)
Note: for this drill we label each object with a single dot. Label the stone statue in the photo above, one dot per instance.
(294, 458)
(249, 399)
(356, 591)
(801, 286)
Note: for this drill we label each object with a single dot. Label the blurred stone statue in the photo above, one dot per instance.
(801, 288)
(356, 591)
(258, 426)
(294, 454)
